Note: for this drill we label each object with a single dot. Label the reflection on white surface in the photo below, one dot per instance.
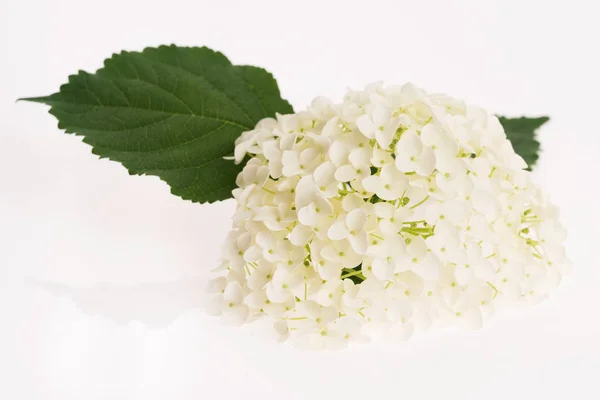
(154, 304)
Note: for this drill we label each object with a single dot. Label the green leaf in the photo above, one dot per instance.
(521, 133)
(173, 112)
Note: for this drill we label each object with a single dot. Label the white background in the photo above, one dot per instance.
(69, 221)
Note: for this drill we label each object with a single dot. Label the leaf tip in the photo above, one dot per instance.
(41, 99)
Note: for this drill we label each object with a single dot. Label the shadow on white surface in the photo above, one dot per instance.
(154, 304)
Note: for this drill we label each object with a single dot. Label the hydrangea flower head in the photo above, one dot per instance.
(395, 210)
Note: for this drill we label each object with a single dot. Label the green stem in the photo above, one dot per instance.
(417, 231)
(496, 291)
(399, 202)
(305, 288)
(419, 203)
(357, 273)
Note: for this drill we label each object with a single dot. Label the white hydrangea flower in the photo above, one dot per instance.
(394, 211)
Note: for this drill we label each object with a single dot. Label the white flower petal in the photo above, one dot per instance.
(351, 202)
(233, 293)
(271, 150)
(372, 184)
(426, 163)
(216, 285)
(429, 268)
(338, 230)
(356, 219)
(306, 190)
(338, 153)
(308, 215)
(383, 270)
(380, 157)
(393, 177)
(330, 271)
(485, 203)
(381, 115)
(430, 135)
(360, 158)
(281, 327)
(386, 136)
(417, 247)
(291, 163)
(389, 227)
(300, 235)
(253, 254)
(366, 126)
(277, 294)
(463, 274)
(345, 173)
(308, 156)
(409, 144)
(359, 242)
(324, 174)
(485, 271)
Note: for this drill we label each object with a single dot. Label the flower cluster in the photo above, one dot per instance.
(394, 210)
